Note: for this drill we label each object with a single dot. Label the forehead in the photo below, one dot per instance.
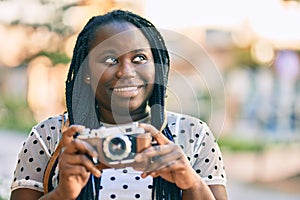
(119, 35)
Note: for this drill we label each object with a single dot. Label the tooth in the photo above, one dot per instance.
(124, 89)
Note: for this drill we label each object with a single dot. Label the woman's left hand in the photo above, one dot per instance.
(167, 160)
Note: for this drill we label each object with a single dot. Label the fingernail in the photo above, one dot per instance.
(97, 173)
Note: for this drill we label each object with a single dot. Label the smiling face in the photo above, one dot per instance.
(122, 71)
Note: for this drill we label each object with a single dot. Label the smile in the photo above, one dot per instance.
(125, 89)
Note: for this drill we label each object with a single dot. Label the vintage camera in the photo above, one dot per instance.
(117, 146)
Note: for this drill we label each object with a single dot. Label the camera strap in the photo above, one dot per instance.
(53, 161)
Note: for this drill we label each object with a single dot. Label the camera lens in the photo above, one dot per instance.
(117, 147)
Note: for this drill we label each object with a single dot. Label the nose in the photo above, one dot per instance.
(126, 70)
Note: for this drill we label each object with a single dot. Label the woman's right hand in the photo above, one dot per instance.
(74, 166)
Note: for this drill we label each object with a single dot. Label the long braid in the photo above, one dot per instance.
(78, 93)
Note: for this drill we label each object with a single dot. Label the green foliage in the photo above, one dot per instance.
(240, 145)
(15, 115)
(55, 57)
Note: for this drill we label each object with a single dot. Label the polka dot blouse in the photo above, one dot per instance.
(191, 134)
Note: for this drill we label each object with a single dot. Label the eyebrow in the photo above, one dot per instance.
(111, 51)
(139, 50)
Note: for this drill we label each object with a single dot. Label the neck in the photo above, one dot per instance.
(107, 116)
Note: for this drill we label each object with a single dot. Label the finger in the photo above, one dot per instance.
(79, 160)
(156, 151)
(67, 135)
(163, 161)
(156, 134)
(81, 147)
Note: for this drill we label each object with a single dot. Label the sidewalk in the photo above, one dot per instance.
(10, 145)
(11, 142)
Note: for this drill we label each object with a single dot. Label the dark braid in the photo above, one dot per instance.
(76, 91)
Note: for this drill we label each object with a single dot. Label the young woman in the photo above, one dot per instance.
(118, 75)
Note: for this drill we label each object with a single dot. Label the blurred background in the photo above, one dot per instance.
(246, 86)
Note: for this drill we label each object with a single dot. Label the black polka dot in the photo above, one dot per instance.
(182, 118)
(197, 135)
(43, 125)
(30, 159)
(150, 187)
(42, 152)
(24, 143)
(191, 140)
(19, 161)
(36, 185)
(100, 187)
(206, 160)
(27, 178)
(31, 134)
(189, 158)
(113, 196)
(22, 169)
(50, 118)
(112, 178)
(52, 127)
(182, 131)
(213, 150)
(192, 124)
(200, 122)
(207, 133)
(25, 150)
(196, 155)
(182, 147)
(203, 143)
(198, 171)
(35, 142)
(137, 178)
(38, 169)
(15, 179)
(222, 175)
(137, 196)
(220, 158)
(216, 167)
(174, 123)
(174, 136)
(125, 187)
(60, 120)
(48, 137)
(210, 176)
(49, 151)
(125, 171)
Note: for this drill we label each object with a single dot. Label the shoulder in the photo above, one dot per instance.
(184, 120)
(48, 131)
(52, 123)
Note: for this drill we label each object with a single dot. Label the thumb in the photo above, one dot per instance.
(156, 134)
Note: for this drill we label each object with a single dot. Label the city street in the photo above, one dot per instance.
(11, 142)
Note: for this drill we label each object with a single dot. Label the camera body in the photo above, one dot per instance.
(117, 146)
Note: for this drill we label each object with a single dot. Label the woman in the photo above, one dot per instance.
(118, 75)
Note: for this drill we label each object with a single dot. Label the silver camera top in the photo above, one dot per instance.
(104, 132)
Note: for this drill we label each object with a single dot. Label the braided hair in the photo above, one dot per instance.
(78, 94)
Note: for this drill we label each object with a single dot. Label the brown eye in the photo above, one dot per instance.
(111, 61)
(139, 59)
